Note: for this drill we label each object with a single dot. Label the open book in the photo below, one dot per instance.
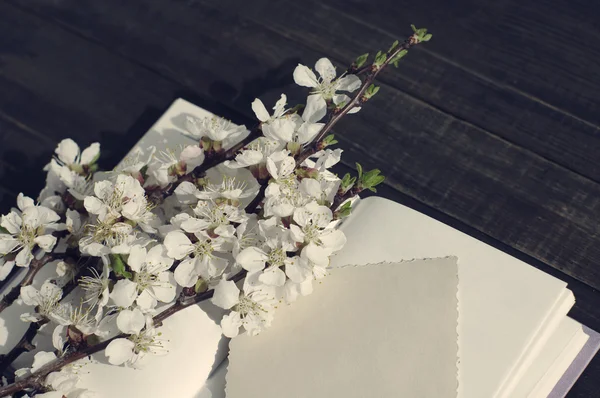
(514, 337)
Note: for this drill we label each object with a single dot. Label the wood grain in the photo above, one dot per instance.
(496, 136)
(468, 172)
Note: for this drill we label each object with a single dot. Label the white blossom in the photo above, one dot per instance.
(72, 166)
(325, 88)
(166, 166)
(46, 300)
(144, 339)
(96, 286)
(152, 280)
(26, 228)
(215, 128)
(312, 230)
(251, 308)
(199, 258)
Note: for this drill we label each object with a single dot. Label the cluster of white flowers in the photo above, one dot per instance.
(140, 255)
(244, 218)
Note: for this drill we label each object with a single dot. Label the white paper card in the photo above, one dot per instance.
(385, 330)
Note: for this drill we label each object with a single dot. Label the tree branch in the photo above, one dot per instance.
(24, 345)
(371, 73)
(33, 269)
(212, 162)
(36, 379)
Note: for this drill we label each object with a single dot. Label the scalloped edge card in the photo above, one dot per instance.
(383, 330)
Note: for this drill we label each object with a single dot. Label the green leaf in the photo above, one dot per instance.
(201, 286)
(360, 61)
(398, 57)
(393, 47)
(344, 211)
(119, 267)
(371, 91)
(329, 140)
(421, 34)
(380, 59)
(360, 170)
(370, 180)
(4, 230)
(347, 183)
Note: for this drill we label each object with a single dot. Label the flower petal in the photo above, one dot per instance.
(29, 295)
(303, 76)
(186, 193)
(11, 222)
(308, 131)
(260, 111)
(316, 254)
(42, 358)
(325, 69)
(227, 294)
(58, 337)
(124, 293)
(349, 83)
(186, 274)
(230, 324)
(7, 244)
(252, 259)
(165, 291)
(272, 276)
(178, 245)
(93, 205)
(297, 269)
(137, 257)
(67, 151)
(24, 257)
(193, 156)
(131, 321)
(90, 154)
(333, 239)
(45, 242)
(316, 108)
(24, 202)
(119, 351)
(279, 107)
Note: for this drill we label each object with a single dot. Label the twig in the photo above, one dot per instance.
(213, 161)
(36, 379)
(313, 147)
(258, 198)
(24, 345)
(33, 269)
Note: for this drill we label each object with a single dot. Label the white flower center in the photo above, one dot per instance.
(312, 233)
(248, 307)
(27, 235)
(145, 279)
(94, 286)
(146, 342)
(277, 257)
(203, 248)
(326, 89)
(48, 303)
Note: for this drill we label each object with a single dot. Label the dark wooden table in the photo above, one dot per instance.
(492, 127)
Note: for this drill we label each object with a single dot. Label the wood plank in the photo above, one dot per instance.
(22, 157)
(477, 98)
(24, 94)
(549, 49)
(499, 188)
